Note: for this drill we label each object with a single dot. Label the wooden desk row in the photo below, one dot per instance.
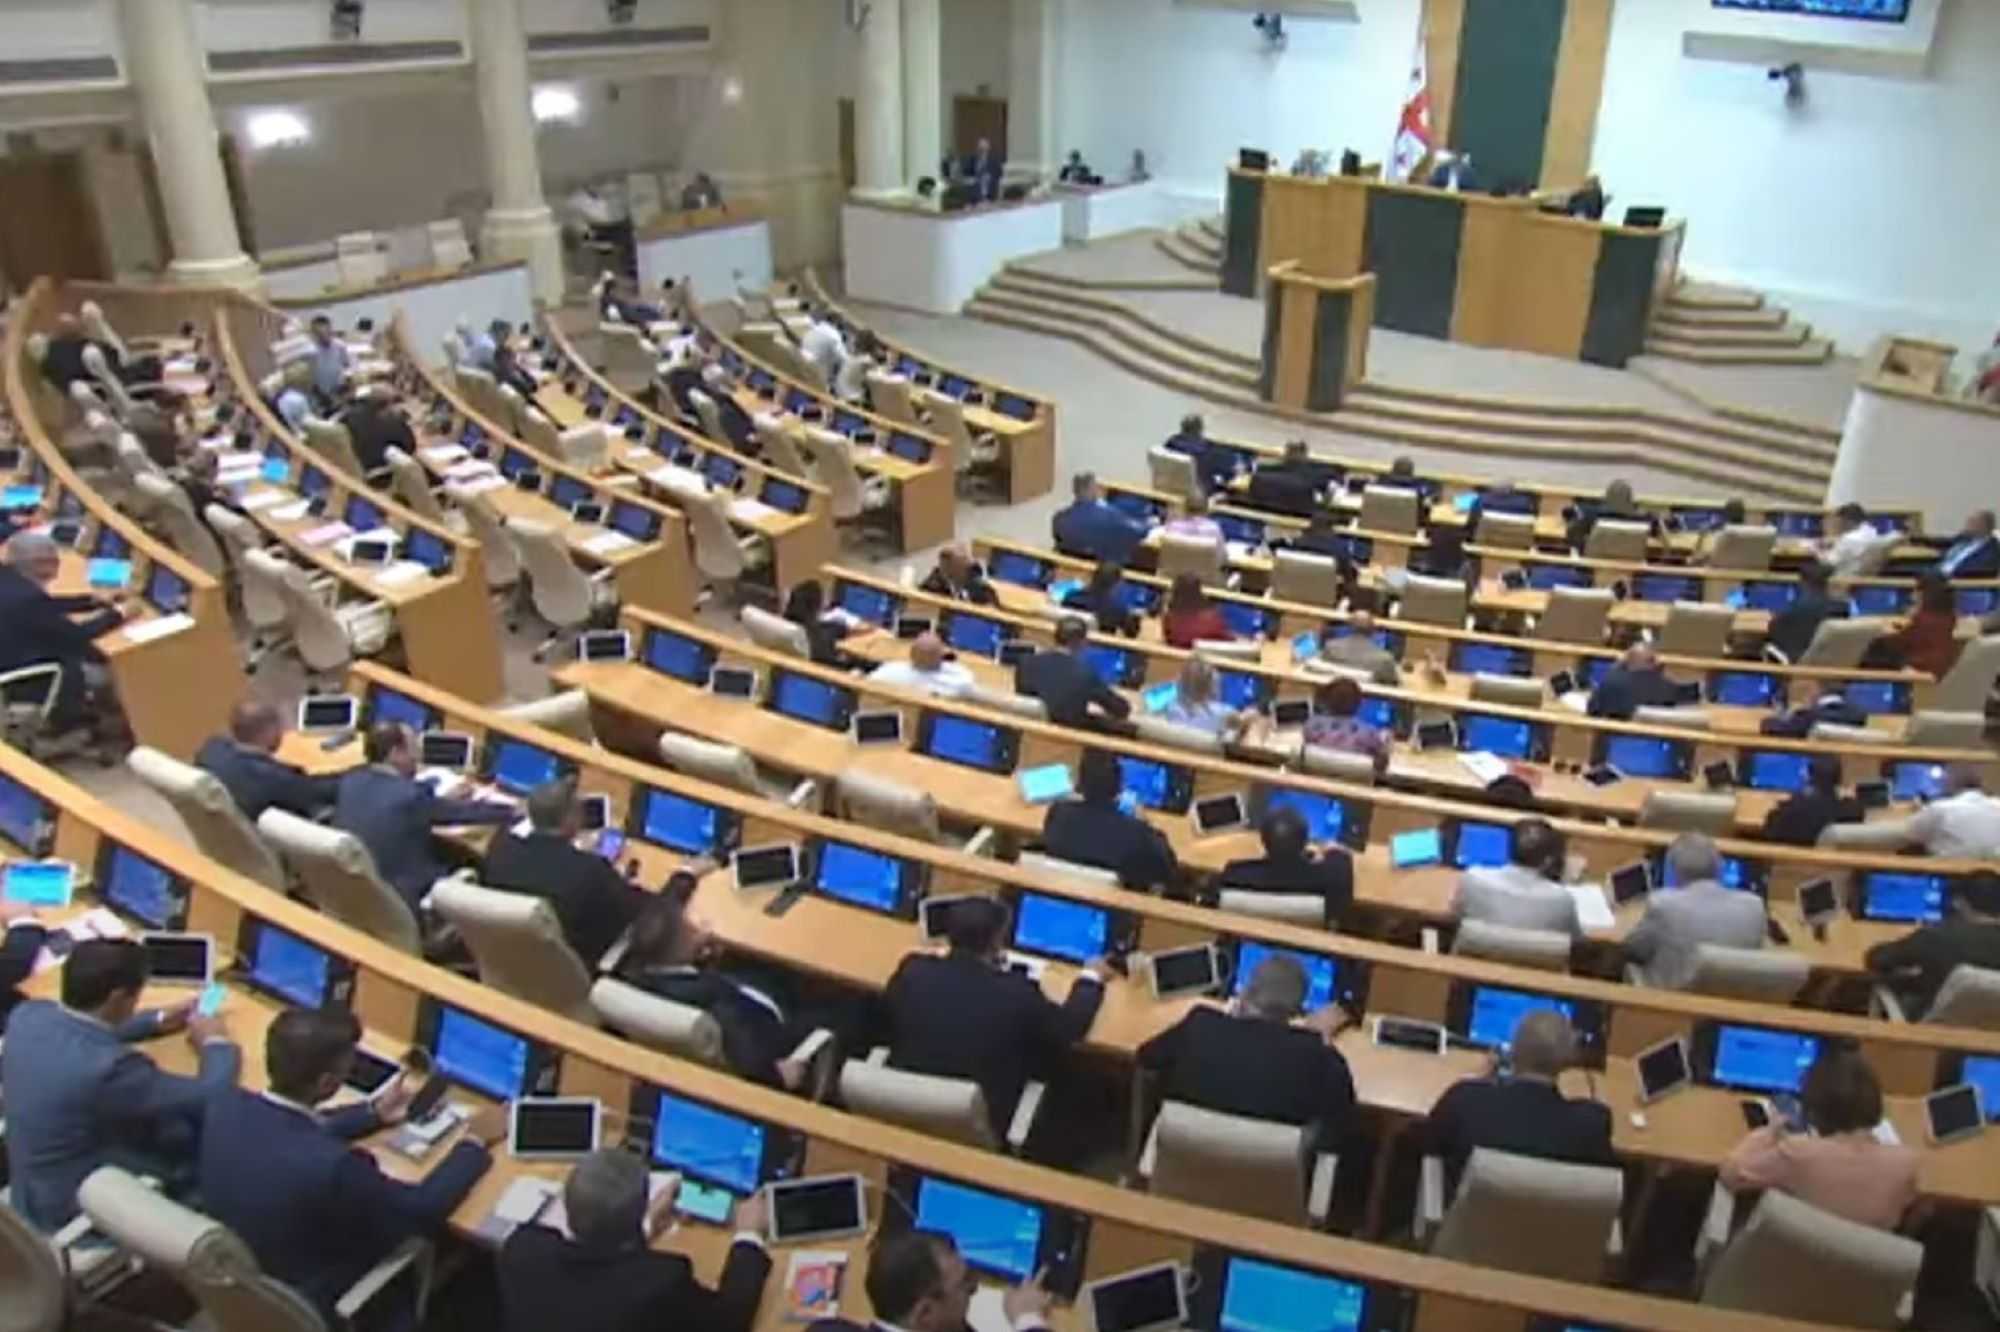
(175, 688)
(391, 991)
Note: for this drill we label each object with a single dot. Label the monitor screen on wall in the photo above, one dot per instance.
(1882, 11)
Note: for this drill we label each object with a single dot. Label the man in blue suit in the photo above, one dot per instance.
(393, 813)
(245, 762)
(1093, 529)
(984, 169)
(1973, 553)
(79, 1097)
(40, 628)
(317, 1212)
(917, 1281)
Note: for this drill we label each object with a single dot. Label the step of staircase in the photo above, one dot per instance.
(1177, 248)
(1214, 227)
(1785, 336)
(1715, 296)
(1140, 339)
(1701, 316)
(1027, 282)
(1809, 351)
(1202, 242)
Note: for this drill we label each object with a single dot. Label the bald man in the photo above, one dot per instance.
(1975, 552)
(245, 762)
(1635, 682)
(959, 577)
(1524, 1113)
(929, 670)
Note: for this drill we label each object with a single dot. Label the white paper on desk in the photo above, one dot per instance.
(988, 1311)
(555, 1217)
(1885, 1133)
(607, 543)
(292, 512)
(750, 510)
(145, 631)
(481, 484)
(524, 1200)
(1576, 700)
(671, 475)
(1593, 908)
(264, 499)
(618, 479)
(469, 470)
(1488, 768)
(645, 458)
(399, 573)
(443, 455)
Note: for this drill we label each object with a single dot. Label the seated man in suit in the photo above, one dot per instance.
(1975, 552)
(1097, 829)
(1917, 964)
(245, 763)
(1588, 200)
(1522, 1112)
(963, 1015)
(1637, 681)
(1093, 529)
(1527, 894)
(1293, 483)
(958, 576)
(592, 900)
(1801, 817)
(1700, 911)
(1292, 867)
(376, 425)
(384, 805)
(918, 1283)
(738, 429)
(1358, 650)
(40, 627)
(606, 1276)
(317, 1212)
(78, 1097)
(1792, 628)
(1067, 684)
(1256, 1059)
(984, 169)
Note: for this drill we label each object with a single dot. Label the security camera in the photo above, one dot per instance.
(1794, 79)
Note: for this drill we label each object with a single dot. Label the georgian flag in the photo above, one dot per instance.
(1413, 133)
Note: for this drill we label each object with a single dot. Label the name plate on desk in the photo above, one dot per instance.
(607, 543)
(145, 631)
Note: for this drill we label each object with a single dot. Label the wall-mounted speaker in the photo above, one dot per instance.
(344, 20)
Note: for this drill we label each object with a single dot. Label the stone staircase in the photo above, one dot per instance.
(1195, 246)
(1715, 325)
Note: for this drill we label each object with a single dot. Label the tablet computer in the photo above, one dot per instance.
(766, 866)
(934, 914)
(444, 749)
(554, 1128)
(327, 713)
(1437, 735)
(1046, 784)
(1631, 881)
(878, 728)
(48, 884)
(1408, 1034)
(1954, 1112)
(179, 959)
(733, 682)
(1415, 848)
(1663, 1068)
(371, 550)
(604, 645)
(1289, 712)
(819, 1208)
(1196, 969)
(1147, 1299)
(1217, 814)
(1819, 901)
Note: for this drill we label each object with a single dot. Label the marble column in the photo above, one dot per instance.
(878, 108)
(1031, 87)
(519, 224)
(923, 96)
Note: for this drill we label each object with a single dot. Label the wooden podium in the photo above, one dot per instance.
(1315, 337)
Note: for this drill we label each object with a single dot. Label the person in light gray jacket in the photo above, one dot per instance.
(1700, 911)
(1527, 894)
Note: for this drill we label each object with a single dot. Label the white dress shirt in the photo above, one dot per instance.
(822, 344)
(1966, 826)
(1846, 552)
(949, 680)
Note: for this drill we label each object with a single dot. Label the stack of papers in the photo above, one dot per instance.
(606, 543)
(479, 485)
(1488, 768)
(471, 469)
(750, 510)
(292, 512)
(1593, 908)
(326, 534)
(399, 573)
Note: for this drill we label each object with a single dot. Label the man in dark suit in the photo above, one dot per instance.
(1792, 628)
(983, 168)
(1973, 553)
(393, 813)
(737, 427)
(19, 948)
(1093, 529)
(245, 762)
(1293, 483)
(1917, 964)
(317, 1212)
(605, 1276)
(1523, 1113)
(1097, 829)
(963, 1015)
(1588, 200)
(958, 576)
(1637, 681)
(1801, 817)
(377, 425)
(592, 900)
(40, 628)
(1066, 683)
(1289, 866)
(917, 1282)
(79, 1097)
(1253, 1060)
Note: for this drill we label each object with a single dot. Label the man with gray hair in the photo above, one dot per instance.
(1964, 825)
(246, 763)
(606, 1276)
(1260, 1058)
(43, 629)
(1697, 910)
(592, 900)
(1522, 1111)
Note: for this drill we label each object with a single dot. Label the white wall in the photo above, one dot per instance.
(1190, 87)
(1869, 210)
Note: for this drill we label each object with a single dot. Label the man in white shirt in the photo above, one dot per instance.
(927, 670)
(1965, 825)
(1855, 540)
(1700, 911)
(480, 348)
(1527, 894)
(822, 345)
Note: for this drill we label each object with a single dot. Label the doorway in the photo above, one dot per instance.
(976, 118)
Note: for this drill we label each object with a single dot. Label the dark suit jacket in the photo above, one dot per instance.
(39, 629)
(1109, 838)
(316, 1212)
(1215, 463)
(1621, 693)
(1923, 958)
(594, 902)
(549, 1282)
(78, 1097)
(18, 950)
(1799, 819)
(1113, 616)
(754, 1039)
(1289, 487)
(393, 816)
(1097, 531)
(959, 1016)
(985, 174)
(679, 381)
(1792, 628)
(1255, 1067)
(1980, 559)
(1519, 1116)
(975, 590)
(1331, 878)
(1068, 687)
(257, 781)
(376, 426)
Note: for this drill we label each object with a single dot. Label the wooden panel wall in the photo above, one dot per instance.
(1524, 280)
(1445, 20)
(1579, 89)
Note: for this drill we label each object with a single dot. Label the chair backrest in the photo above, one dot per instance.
(1696, 629)
(1576, 615)
(1229, 649)
(776, 633)
(1299, 576)
(1390, 509)
(1614, 539)
(359, 259)
(321, 640)
(628, 357)
(1524, 1214)
(515, 406)
(1945, 730)
(37, 1289)
(725, 765)
(338, 876)
(218, 827)
(1689, 811)
(1965, 686)
(1252, 1166)
(482, 391)
(1298, 908)
(496, 549)
(518, 945)
(890, 395)
(1969, 997)
(538, 432)
(1547, 950)
(1043, 863)
(1160, 731)
(266, 603)
(91, 315)
(412, 485)
(1840, 644)
(948, 419)
(566, 713)
(779, 436)
(1793, 1260)
(710, 414)
(449, 248)
(886, 805)
(562, 592)
(1506, 531)
(1343, 764)
(1019, 705)
(174, 512)
(585, 446)
(1761, 975)
(949, 1108)
(332, 441)
(1172, 472)
(1204, 557)
(1439, 601)
(1685, 719)
(1509, 690)
(716, 552)
(660, 1024)
(239, 534)
(1742, 547)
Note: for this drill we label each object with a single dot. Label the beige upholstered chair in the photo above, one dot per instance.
(970, 450)
(1545, 950)
(1576, 615)
(1680, 719)
(412, 488)
(517, 943)
(1041, 862)
(1969, 997)
(450, 250)
(1505, 531)
(1965, 686)
(1298, 576)
(1689, 811)
(359, 259)
(1792, 1260)
(776, 633)
(891, 807)
(32, 1273)
(722, 557)
(1743, 547)
(1390, 509)
(1541, 1218)
(1837, 644)
(1018, 705)
(564, 595)
(1612, 539)
(628, 357)
(853, 498)
(725, 765)
(1295, 908)
(566, 713)
(332, 441)
(780, 437)
(1205, 559)
(1758, 975)
(169, 507)
(338, 876)
(1696, 629)
(219, 829)
(1173, 735)
(890, 395)
(1440, 601)
(690, 1033)
(950, 1108)
(1255, 1167)
(1342, 764)
(585, 446)
(267, 605)
(329, 636)
(1511, 691)
(1172, 473)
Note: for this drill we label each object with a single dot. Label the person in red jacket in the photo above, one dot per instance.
(1928, 640)
(1190, 616)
